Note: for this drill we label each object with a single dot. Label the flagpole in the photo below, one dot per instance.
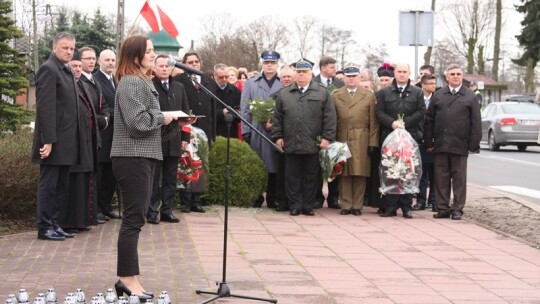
(132, 28)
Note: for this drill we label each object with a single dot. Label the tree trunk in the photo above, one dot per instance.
(481, 61)
(470, 55)
(497, 43)
(427, 54)
(529, 76)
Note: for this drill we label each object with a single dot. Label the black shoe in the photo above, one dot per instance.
(258, 203)
(282, 207)
(419, 207)
(345, 212)
(169, 218)
(152, 219)
(434, 209)
(317, 205)
(122, 289)
(197, 208)
(456, 215)
(271, 205)
(85, 228)
(185, 209)
(112, 215)
(381, 211)
(333, 204)
(102, 217)
(61, 232)
(50, 235)
(407, 214)
(388, 213)
(71, 230)
(356, 212)
(442, 214)
(295, 212)
(429, 205)
(308, 212)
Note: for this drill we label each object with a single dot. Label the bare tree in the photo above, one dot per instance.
(474, 21)
(374, 55)
(261, 34)
(444, 54)
(304, 28)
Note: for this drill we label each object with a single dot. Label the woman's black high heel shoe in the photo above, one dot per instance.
(121, 289)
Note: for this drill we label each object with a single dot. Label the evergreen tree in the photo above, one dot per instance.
(12, 69)
(529, 39)
(45, 42)
(101, 33)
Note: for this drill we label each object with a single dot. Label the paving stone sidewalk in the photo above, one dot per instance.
(324, 259)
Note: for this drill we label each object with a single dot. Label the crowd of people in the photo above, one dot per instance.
(111, 128)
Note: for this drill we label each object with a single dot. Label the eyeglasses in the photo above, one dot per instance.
(455, 74)
(192, 62)
(89, 58)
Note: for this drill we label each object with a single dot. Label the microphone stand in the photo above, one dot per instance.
(223, 289)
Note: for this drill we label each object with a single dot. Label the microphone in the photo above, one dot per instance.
(187, 69)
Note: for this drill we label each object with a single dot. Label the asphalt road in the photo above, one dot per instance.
(508, 170)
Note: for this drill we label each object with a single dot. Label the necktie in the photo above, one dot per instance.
(166, 86)
(400, 91)
(352, 93)
(328, 82)
(196, 81)
(301, 90)
(112, 82)
(453, 91)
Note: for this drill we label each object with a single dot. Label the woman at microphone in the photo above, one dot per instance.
(135, 149)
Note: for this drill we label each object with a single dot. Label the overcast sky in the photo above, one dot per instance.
(373, 22)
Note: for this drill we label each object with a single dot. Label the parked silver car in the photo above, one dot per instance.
(510, 123)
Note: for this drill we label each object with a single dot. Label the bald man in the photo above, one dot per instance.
(401, 97)
(106, 181)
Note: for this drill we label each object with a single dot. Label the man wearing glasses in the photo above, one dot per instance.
(229, 94)
(200, 103)
(452, 129)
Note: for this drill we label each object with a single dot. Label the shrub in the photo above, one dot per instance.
(247, 177)
(12, 116)
(18, 176)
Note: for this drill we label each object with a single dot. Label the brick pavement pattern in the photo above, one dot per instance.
(323, 259)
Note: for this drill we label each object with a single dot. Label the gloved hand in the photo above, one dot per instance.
(247, 137)
(371, 151)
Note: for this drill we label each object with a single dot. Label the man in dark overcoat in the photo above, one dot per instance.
(453, 128)
(55, 146)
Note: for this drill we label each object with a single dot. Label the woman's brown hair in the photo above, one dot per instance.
(132, 53)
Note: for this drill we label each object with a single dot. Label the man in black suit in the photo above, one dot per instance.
(172, 97)
(88, 60)
(200, 103)
(229, 94)
(55, 146)
(327, 77)
(106, 180)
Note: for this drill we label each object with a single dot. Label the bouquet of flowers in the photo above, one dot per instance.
(333, 160)
(193, 161)
(262, 110)
(400, 168)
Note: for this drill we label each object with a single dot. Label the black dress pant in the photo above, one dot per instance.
(302, 175)
(106, 187)
(52, 191)
(134, 176)
(395, 201)
(165, 169)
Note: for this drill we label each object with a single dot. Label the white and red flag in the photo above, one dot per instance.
(159, 21)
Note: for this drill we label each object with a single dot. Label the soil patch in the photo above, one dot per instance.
(507, 216)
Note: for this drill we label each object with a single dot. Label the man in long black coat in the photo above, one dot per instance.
(200, 103)
(229, 94)
(106, 180)
(55, 146)
(172, 97)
